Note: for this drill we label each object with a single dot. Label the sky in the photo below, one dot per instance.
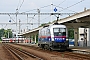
(31, 6)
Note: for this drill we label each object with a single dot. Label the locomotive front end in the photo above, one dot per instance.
(59, 41)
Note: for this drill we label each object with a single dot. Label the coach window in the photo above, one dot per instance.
(48, 32)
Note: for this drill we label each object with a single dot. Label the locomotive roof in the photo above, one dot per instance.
(55, 25)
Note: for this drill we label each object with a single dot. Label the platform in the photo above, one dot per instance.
(81, 49)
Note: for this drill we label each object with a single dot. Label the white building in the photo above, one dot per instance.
(84, 37)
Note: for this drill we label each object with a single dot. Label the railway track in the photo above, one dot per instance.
(65, 54)
(20, 54)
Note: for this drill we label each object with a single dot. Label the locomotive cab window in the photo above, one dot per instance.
(59, 31)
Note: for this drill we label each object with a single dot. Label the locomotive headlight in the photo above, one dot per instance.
(63, 38)
(67, 39)
(49, 39)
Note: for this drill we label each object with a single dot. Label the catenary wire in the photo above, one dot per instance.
(72, 5)
(21, 5)
(45, 18)
(62, 2)
(18, 4)
(36, 9)
(11, 18)
(64, 8)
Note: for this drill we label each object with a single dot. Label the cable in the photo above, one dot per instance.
(32, 18)
(44, 6)
(64, 8)
(11, 18)
(62, 2)
(45, 18)
(21, 5)
(18, 4)
(72, 5)
(29, 10)
(5, 26)
(36, 9)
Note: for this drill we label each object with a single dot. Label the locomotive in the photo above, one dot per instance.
(53, 37)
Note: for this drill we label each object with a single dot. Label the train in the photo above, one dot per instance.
(13, 40)
(53, 37)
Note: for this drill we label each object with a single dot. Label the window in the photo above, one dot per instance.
(48, 32)
(56, 30)
(59, 31)
(62, 29)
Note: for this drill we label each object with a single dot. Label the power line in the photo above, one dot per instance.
(72, 5)
(62, 2)
(5, 26)
(18, 4)
(29, 10)
(32, 18)
(64, 8)
(44, 6)
(21, 4)
(11, 17)
(45, 18)
(36, 9)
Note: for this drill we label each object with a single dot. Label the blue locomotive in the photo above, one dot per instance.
(53, 37)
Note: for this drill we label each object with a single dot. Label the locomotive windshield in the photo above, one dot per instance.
(59, 31)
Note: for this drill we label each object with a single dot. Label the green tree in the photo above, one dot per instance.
(36, 38)
(1, 33)
(45, 24)
(4, 33)
(71, 33)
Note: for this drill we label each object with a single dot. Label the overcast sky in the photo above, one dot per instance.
(29, 6)
(12, 5)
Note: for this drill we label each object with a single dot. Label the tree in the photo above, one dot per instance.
(8, 32)
(36, 38)
(71, 33)
(45, 24)
(1, 33)
(4, 33)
